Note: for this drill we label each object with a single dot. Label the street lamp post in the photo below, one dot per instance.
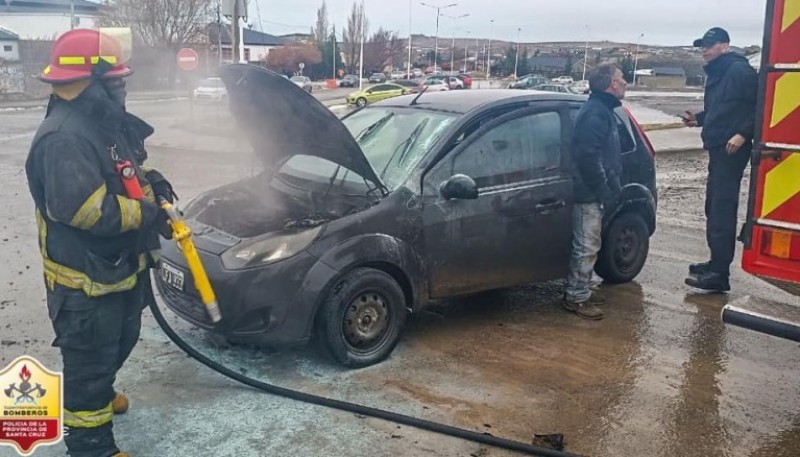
(466, 51)
(453, 49)
(489, 52)
(361, 53)
(436, 41)
(585, 54)
(516, 56)
(408, 66)
(636, 61)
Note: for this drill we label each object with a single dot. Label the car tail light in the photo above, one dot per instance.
(781, 244)
(641, 132)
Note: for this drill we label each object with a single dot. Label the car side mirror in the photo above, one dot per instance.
(459, 187)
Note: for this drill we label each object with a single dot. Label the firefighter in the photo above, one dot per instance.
(728, 123)
(98, 228)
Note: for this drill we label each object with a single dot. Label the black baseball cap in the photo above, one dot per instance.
(712, 37)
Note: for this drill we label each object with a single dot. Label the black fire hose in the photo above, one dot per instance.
(390, 416)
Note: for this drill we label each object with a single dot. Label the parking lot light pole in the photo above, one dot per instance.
(466, 51)
(636, 61)
(408, 66)
(453, 49)
(585, 54)
(489, 52)
(516, 56)
(436, 41)
(361, 53)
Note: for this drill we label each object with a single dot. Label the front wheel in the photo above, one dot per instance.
(625, 248)
(361, 102)
(360, 322)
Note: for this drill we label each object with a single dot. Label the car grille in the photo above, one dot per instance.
(187, 305)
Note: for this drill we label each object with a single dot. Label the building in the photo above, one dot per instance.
(46, 19)
(9, 45)
(662, 78)
(256, 44)
(297, 38)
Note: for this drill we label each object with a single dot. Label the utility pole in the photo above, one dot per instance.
(436, 41)
(72, 15)
(235, 57)
(466, 51)
(219, 35)
(585, 54)
(408, 65)
(333, 54)
(636, 61)
(489, 52)
(361, 53)
(516, 56)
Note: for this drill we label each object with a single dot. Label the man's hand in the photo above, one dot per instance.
(690, 120)
(735, 143)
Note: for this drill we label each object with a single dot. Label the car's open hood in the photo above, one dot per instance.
(282, 120)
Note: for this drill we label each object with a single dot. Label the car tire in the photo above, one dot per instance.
(626, 244)
(360, 322)
(361, 102)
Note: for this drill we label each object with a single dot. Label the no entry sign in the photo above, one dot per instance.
(188, 59)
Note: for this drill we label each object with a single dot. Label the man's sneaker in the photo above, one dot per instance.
(585, 310)
(713, 282)
(699, 268)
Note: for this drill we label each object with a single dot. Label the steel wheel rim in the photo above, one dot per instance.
(366, 322)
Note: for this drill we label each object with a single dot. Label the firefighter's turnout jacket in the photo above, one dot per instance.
(92, 236)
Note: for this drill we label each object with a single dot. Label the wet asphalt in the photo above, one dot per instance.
(659, 376)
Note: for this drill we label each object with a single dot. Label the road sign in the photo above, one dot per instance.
(188, 59)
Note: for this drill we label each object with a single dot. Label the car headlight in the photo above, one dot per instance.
(268, 249)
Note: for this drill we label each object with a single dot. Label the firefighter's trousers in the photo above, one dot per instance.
(95, 335)
(722, 205)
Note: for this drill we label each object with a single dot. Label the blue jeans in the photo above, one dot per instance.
(587, 228)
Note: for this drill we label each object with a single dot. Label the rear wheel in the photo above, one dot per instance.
(625, 248)
(360, 322)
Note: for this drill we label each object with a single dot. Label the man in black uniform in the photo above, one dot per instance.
(98, 229)
(728, 123)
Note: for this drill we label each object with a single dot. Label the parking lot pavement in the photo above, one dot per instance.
(659, 376)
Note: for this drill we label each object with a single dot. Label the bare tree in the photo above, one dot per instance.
(381, 49)
(352, 35)
(287, 59)
(320, 31)
(159, 23)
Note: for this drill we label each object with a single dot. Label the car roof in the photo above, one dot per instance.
(464, 101)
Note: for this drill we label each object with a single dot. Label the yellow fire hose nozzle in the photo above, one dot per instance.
(183, 236)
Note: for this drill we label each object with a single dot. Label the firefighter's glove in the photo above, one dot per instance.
(163, 225)
(161, 187)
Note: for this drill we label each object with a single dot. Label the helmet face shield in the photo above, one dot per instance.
(115, 45)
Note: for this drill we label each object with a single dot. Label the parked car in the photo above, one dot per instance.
(303, 82)
(528, 81)
(399, 75)
(563, 80)
(377, 78)
(349, 81)
(210, 89)
(581, 86)
(412, 86)
(466, 80)
(556, 88)
(417, 73)
(407, 201)
(376, 94)
(435, 85)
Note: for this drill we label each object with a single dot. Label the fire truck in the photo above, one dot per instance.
(771, 234)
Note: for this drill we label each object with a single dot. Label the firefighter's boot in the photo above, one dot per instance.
(120, 405)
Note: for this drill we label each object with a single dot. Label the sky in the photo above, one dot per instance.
(663, 22)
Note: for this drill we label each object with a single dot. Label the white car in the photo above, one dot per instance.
(303, 82)
(398, 75)
(563, 80)
(435, 85)
(210, 89)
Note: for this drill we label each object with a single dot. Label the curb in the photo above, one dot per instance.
(654, 127)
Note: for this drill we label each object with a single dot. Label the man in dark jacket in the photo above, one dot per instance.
(728, 123)
(98, 229)
(597, 158)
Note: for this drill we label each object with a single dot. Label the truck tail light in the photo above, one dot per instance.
(782, 244)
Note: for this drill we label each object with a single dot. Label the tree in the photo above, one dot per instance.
(568, 66)
(627, 66)
(320, 31)
(380, 49)
(159, 23)
(287, 59)
(324, 69)
(353, 35)
(524, 64)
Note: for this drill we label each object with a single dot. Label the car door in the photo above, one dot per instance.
(517, 231)
(375, 93)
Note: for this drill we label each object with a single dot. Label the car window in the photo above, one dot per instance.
(626, 136)
(517, 150)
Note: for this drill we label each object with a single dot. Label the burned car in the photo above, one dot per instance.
(356, 223)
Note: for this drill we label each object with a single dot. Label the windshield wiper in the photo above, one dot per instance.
(406, 145)
(364, 134)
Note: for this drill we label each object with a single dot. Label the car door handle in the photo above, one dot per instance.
(546, 207)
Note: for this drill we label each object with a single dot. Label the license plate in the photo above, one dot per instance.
(172, 276)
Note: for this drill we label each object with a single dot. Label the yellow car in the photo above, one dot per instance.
(376, 93)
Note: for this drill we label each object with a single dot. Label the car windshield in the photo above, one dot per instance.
(211, 83)
(298, 79)
(394, 140)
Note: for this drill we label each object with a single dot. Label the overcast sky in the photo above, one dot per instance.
(663, 22)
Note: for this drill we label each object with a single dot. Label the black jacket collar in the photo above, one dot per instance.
(610, 101)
